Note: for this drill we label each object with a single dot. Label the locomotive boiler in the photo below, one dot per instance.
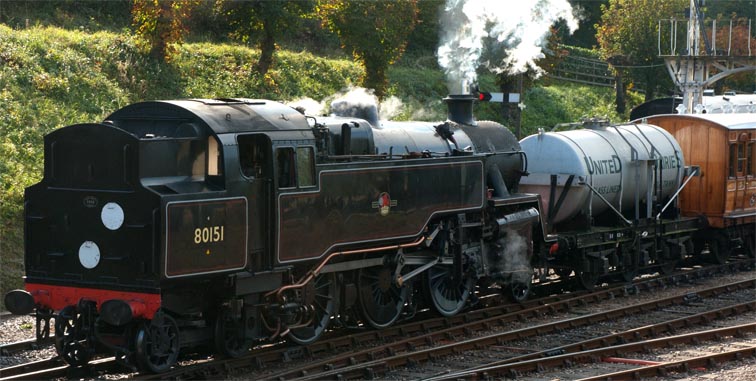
(235, 221)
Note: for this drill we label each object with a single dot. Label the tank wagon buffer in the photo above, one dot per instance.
(610, 198)
(179, 223)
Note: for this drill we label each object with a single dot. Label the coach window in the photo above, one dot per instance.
(751, 156)
(305, 166)
(733, 159)
(285, 167)
(214, 161)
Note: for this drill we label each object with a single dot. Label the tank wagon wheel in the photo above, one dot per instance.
(70, 341)
(229, 332)
(668, 261)
(381, 300)
(448, 295)
(325, 301)
(628, 273)
(563, 273)
(588, 279)
(157, 344)
(628, 266)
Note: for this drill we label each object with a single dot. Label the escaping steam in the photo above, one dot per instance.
(355, 102)
(516, 263)
(518, 30)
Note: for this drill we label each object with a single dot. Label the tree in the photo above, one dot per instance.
(628, 33)
(590, 15)
(262, 21)
(424, 39)
(162, 24)
(374, 32)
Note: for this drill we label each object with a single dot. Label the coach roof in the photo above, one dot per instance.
(735, 121)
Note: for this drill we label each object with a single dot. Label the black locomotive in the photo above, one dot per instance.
(233, 221)
(181, 223)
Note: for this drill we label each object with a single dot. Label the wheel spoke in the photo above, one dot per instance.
(381, 302)
(324, 305)
(449, 296)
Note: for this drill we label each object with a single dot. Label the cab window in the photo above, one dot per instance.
(286, 172)
(214, 160)
(295, 167)
(305, 166)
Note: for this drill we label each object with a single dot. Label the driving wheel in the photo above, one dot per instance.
(323, 298)
(448, 294)
(381, 300)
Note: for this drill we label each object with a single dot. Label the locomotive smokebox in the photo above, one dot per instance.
(460, 109)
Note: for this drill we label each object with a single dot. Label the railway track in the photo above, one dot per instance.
(377, 362)
(407, 337)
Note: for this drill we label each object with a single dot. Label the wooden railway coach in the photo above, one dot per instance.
(724, 195)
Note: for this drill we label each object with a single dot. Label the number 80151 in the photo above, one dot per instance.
(208, 234)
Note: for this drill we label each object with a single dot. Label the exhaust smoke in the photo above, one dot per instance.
(516, 31)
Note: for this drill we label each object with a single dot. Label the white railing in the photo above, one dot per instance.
(734, 37)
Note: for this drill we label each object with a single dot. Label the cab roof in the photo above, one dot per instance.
(222, 116)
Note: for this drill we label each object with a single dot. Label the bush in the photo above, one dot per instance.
(565, 103)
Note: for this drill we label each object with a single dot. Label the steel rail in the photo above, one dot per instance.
(596, 355)
(506, 366)
(280, 352)
(385, 357)
(682, 366)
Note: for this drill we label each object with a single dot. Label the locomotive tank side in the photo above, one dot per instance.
(621, 163)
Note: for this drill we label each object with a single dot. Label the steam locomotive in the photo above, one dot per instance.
(236, 221)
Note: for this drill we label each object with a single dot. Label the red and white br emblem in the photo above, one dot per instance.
(384, 203)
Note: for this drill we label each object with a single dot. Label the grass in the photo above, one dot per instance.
(52, 77)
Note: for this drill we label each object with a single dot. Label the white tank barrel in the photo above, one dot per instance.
(617, 161)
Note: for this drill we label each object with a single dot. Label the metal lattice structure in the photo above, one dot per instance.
(706, 52)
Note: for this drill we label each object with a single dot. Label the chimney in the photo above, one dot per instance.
(460, 109)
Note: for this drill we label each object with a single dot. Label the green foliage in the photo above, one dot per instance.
(162, 24)
(262, 21)
(424, 39)
(628, 37)
(566, 103)
(375, 32)
(85, 15)
(48, 78)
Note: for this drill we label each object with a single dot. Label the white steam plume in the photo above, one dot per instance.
(308, 106)
(519, 29)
